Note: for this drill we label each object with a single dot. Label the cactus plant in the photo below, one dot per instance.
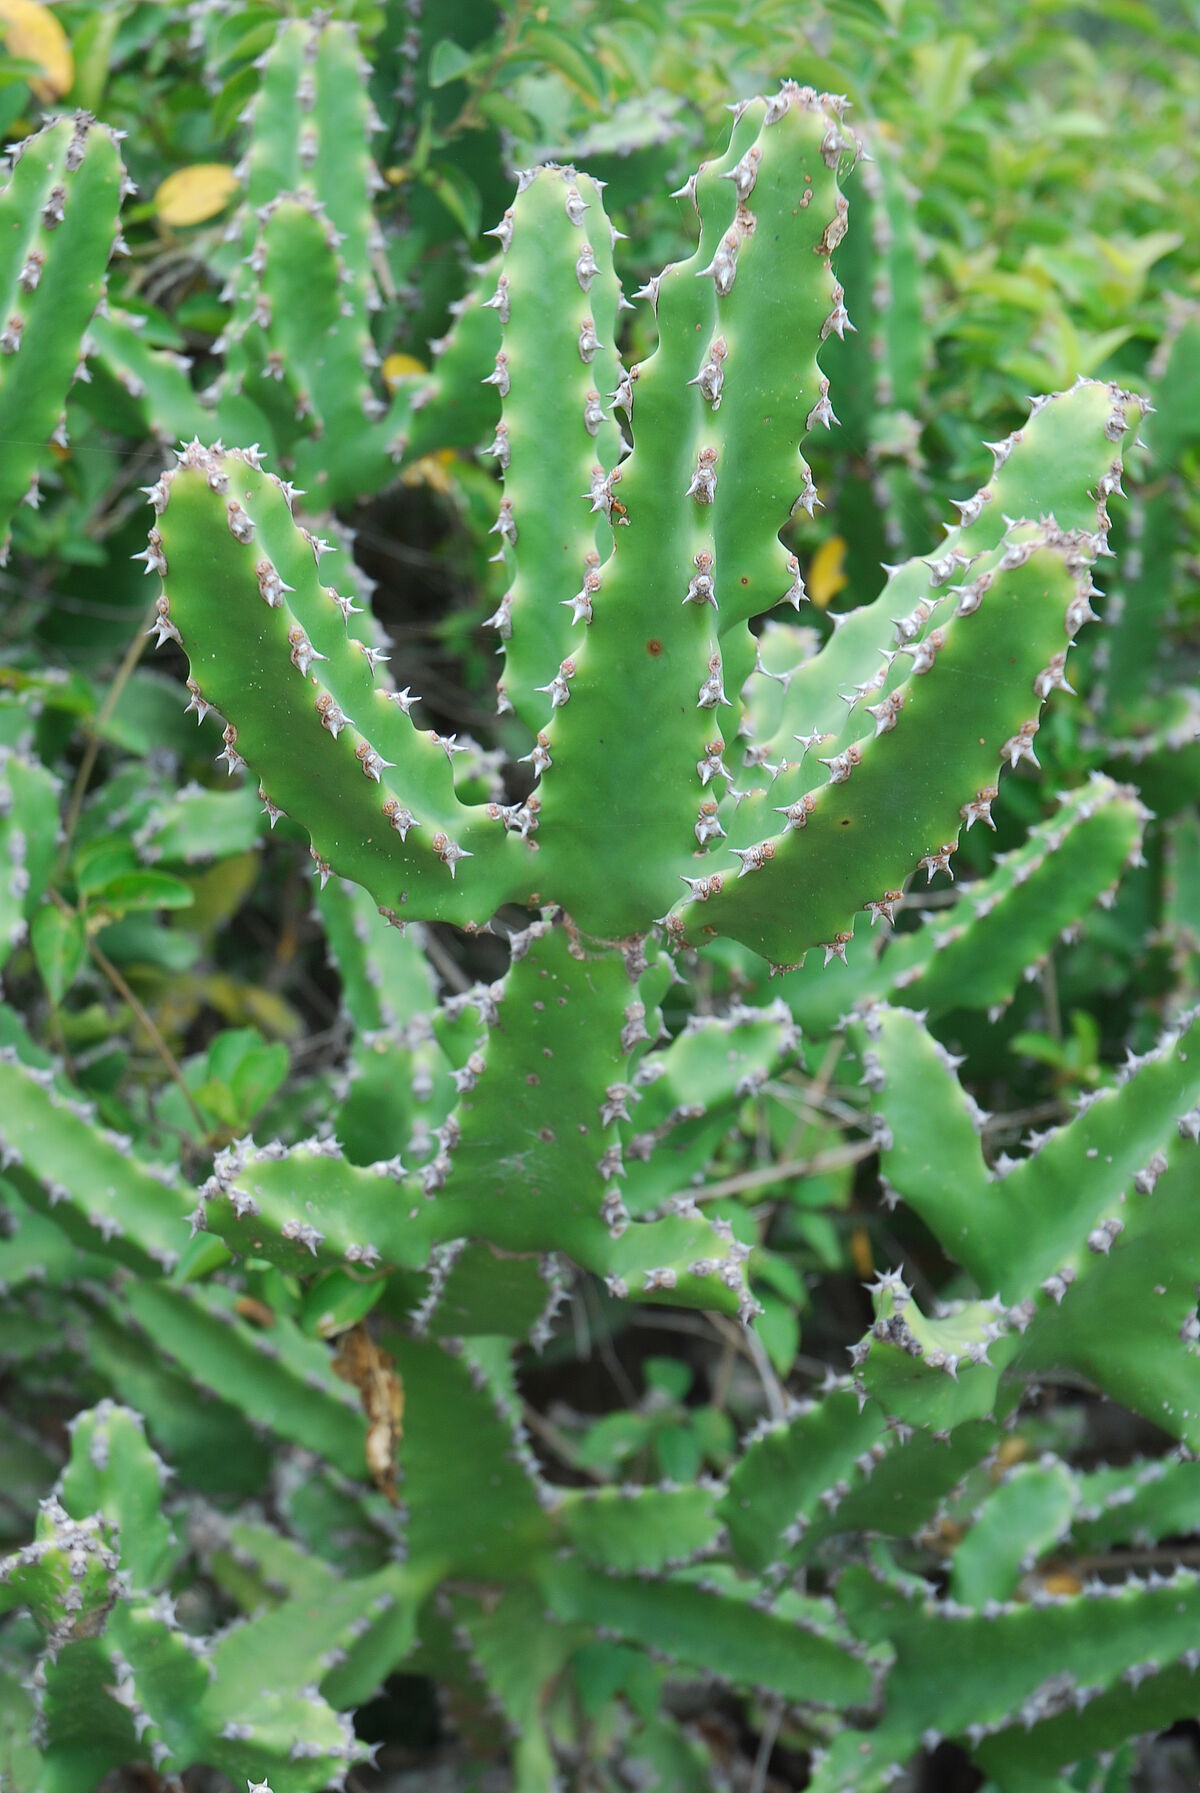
(710, 793)
(60, 211)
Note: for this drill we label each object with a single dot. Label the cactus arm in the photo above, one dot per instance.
(308, 1209)
(1068, 449)
(210, 1441)
(329, 742)
(760, 1648)
(1079, 1174)
(772, 392)
(154, 386)
(1181, 896)
(36, 1250)
(299, 1643)
(29, 809)
(975, 954)
(304, 279)
(881, 371)
(450, 1529)
(784, 1469)
(1129, 659)
(114, 1472)
(1142, 1703)
(1123, 1631)
(475, 1291)
(1078, 1231)
(387, 981)
(913, 1478)
(58, 224)
(936, 1372)
(1028, 1513)
(518, 1657)
(555, 1063)
(84, 1177)
(1114, 1326)
(502, 1173)
(902, 796)
(200, 824)
(557, 298)
(455, 405)
(684, 1098)
(648, 650)
(627, 1530)
(277, 1376)
(1139, 1502)
(122, 1682)
(834, 1466)
(936, 1165)
(272, 162)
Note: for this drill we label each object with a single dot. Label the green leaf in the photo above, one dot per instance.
(460, 196)
(448, 62)
(669, 1375)
(336, 1301)
(98, 863)
(611, 1440)
(143, 890)
(560, 54)
(679, 1454)
(501, 110)
(60, 948)
(257, 1078)
(779, 1330)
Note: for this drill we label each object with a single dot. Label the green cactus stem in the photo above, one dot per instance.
(58, 225)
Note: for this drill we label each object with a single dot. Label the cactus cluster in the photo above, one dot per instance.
(693, 890)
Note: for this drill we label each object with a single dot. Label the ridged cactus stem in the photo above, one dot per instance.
(59, 224)
(635, 760)
(334, 742)
(555, 440)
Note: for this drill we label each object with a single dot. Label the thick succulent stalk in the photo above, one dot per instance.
(1151, 578)
(530, 1159)
(29, 796)
(299, 345)
(696, 506)
(1083, 1251)
(59, 223)
(881, 371)
(306, 704)
(554, 385)
(120, 1681)
(66, 1164)
(1002, 928)
(939, 723)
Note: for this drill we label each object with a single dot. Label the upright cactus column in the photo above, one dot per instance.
(626, 642)
(59, 223)
(636, 756)
(304, 286)
(555, 386)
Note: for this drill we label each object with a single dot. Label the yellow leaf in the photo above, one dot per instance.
(193, 195)
(1011, 1450)
(399, 367)
(31, 33)
(827, 572)
(861, 1255)
(1062, 1581)
(432, 470)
